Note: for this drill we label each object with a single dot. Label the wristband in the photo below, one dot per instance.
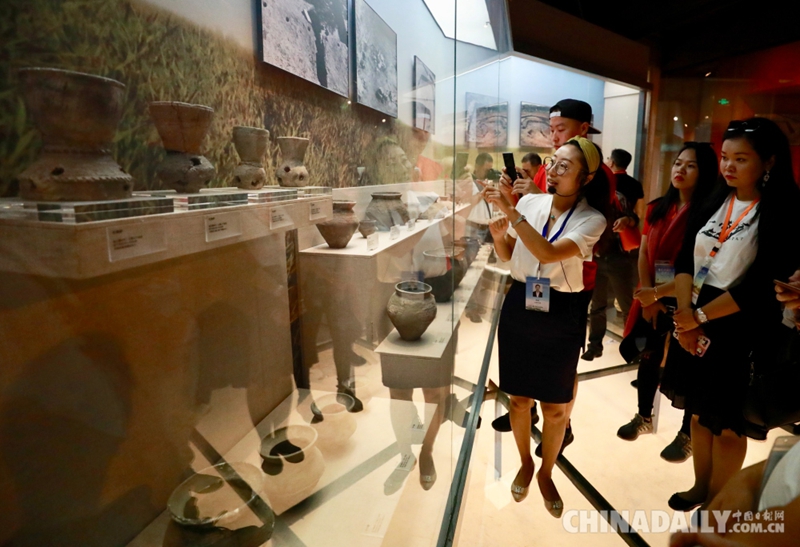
(520, 219)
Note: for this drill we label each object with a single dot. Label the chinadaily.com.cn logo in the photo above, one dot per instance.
(585, 522)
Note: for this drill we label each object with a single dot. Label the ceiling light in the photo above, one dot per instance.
(675, 118)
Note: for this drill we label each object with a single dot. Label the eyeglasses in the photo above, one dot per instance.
(560, 167)
(747, 126)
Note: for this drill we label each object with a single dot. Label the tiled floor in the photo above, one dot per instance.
(630, 475)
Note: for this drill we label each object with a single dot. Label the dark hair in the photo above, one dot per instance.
(598, 191)
(482, 158)
(707, 181)
(621, 158)
(533, 158)
(781, 191)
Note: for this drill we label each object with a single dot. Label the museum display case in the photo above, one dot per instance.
(245, 297)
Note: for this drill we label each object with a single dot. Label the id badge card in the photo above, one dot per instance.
(665, 272)
(699, 279)
(537, 294)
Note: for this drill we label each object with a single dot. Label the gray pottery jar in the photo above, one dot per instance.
(411, 309)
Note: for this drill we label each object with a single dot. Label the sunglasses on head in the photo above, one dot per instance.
(746, 126)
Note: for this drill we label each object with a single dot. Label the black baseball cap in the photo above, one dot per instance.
(575, 110)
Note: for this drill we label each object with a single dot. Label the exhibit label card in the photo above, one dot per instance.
(279, 218)
(316, 211)
(372, 241)
(223, 226)
(136, 240)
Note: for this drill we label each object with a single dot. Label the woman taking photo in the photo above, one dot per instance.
(547, 237)
(694, 176)
(726, 306)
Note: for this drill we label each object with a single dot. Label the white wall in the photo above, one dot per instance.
(620, 123)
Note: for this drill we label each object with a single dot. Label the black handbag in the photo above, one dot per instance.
(773, 397)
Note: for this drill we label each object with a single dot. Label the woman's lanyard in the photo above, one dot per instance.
(546, 228)
(724, 234)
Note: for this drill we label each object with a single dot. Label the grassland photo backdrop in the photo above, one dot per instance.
(160, 56)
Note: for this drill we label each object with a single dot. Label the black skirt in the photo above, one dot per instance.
(538, 352)
(713, 387)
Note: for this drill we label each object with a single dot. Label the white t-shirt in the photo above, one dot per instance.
(481, 212)
(584, 228)
(783, 484)
(736, 255)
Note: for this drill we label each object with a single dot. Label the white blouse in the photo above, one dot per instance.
(737, 254)
(584, 228)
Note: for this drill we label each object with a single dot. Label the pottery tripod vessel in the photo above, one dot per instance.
(292, 171)
(77, 115)
(182, 128)
(251, 145)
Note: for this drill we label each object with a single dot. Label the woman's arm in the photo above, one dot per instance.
(539, 247)
(644, 269)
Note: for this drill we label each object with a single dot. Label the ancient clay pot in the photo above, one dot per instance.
(471, 246)
(216, 496)
(251, 145)
(411, 309)
(444, 269)
(182, 128)
(77, 115)
(333, 420)
(293, 464)
(387, 210)
(292, 172)
(367, 227)
(338, 231)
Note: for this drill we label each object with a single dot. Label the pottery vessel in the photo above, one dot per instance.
(338, 231)
(251, 145)
(333, 420)
(182, 128)
(387, 210)
(217, 495)
(367, 227)
(293, 464)
(292, 171)
(444, 269)
(471, 246)
(411, 309)
(77, 115)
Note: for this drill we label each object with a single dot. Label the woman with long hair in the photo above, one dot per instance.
(540, 338)
(694, 175)
(727, 314)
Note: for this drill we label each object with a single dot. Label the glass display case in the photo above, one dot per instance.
(247, 293)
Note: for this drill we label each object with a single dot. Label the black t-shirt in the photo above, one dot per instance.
(630, 188)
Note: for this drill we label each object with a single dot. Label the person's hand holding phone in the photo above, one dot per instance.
(789, 293)
(684, 320)
(524, 186)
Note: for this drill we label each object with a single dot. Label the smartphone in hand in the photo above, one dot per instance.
(702, 345)
(511, 168)
(786, 286)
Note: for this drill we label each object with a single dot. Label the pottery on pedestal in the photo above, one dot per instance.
(251, 145)
(411, 309)
(333, 420)
(293, 464)
(77, 115)
(338, 231)
(387, 210)
(292, 172)
(367, 227)
(182, 128)
(444, 269)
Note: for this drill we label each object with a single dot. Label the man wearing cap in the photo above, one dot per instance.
(568, 118)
